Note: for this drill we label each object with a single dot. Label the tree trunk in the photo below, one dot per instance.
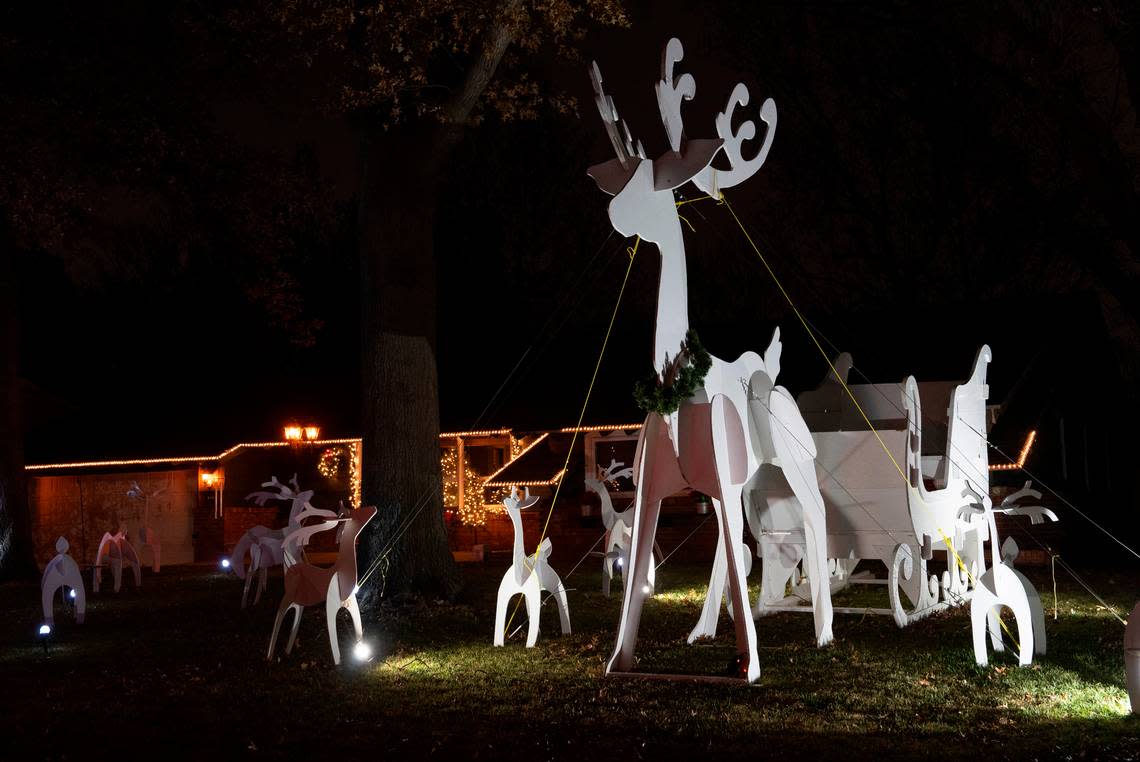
(400, 465)
(17, 558)
(401, 475)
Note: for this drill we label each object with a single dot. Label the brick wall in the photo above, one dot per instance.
(241, 518)
(81, 507)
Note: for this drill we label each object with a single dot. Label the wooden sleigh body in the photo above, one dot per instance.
(909, 510)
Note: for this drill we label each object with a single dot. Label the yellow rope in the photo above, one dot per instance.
(581, 416)
(851, 395)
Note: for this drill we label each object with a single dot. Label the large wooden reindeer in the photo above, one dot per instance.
(711, 443)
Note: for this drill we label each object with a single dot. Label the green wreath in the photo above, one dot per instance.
(682, 378)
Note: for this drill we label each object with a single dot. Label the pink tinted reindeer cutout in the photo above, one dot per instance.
(148, 537)
(309, 585)
(740, 420)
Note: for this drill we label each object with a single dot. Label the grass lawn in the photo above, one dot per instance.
(177, 669)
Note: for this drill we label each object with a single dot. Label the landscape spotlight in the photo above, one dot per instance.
(225, 563)
(45, 634)
(72, 594)
(362, 651)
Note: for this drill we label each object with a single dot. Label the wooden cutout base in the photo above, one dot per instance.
(714, 679)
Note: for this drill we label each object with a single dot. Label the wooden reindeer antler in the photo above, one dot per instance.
(622, 140)
(261, 497)
(615, 471)
(711, 181)
(671, 91)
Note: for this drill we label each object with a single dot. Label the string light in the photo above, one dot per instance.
(484, 433)
(607, 427)
(354, 472)
(532, 483)
(179, 459)
(1021, 457)
(522, 452)
(472, 512)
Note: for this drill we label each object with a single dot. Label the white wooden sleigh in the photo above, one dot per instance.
(909, 510)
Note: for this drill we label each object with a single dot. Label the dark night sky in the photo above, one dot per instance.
(901, 203)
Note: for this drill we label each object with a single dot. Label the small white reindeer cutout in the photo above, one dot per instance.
(528, 576)
(619, 528)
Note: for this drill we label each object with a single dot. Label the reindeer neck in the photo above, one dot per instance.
(672, 298)
(518, 552)
(346, 558)
(608, 515)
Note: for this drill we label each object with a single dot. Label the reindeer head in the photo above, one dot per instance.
(642, 189)
(513, 503)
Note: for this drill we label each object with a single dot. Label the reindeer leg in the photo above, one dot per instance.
(658, 475)
(654, 560)
(796, 450)
(354, 612)
(80, 599)
(299, 610)
(281, 611)
(607, 570)
(728, 445)
(46, 598)
(332, 607)
(532, 594)
(245, 589)
(507, 589)
(262, 581)
(552, 583)
(710, 613)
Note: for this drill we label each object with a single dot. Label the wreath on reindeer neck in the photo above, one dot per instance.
(682, 377)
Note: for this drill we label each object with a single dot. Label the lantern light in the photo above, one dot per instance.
(292, 433)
